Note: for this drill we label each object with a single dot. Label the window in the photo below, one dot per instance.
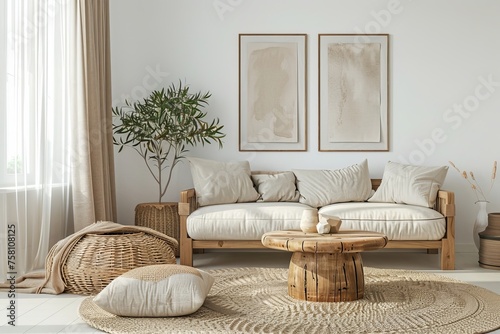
(32, 95)
(3, 85)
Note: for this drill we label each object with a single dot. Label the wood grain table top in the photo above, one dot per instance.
(347, 241)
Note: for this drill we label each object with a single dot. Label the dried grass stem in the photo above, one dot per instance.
(478, 191)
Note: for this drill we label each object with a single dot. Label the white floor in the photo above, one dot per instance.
(59, 314)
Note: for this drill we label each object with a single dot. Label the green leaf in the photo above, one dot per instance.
(172, 117)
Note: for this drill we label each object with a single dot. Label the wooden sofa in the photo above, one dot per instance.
(445, 204)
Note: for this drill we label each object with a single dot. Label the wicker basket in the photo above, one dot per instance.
(97, 259)
(489, 239)
(161, 217)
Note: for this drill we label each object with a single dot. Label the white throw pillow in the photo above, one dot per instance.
(218, 182)
(165, 290)
(279, 187)
(322, 187)
(408, 184)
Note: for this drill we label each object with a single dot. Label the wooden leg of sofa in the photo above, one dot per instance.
(448, 255)
(186, 252)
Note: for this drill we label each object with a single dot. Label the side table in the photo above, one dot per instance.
(325, 267)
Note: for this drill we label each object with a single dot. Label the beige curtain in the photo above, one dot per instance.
(93, 167)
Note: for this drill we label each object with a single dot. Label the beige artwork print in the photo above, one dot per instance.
(354, 93)
(272, 93)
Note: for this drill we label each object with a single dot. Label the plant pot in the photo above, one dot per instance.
(161, 217)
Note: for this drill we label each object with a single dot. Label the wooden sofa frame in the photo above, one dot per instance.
(445, 204)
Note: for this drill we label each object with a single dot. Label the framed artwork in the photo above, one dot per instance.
(353, 92)
(272, 92)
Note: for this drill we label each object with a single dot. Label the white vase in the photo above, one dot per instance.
(481, 221)
(309, 220)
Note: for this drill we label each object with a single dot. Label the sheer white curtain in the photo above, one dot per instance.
(44, 131)
(36, 171)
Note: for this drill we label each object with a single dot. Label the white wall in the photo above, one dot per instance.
(441, 53)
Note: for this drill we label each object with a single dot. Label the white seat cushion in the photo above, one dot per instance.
(396, 221)
(243, 221)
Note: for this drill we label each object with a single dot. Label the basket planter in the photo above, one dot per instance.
(489, 251)
(97, 259)
(161, 217)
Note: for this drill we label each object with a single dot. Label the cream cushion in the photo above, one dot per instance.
(322, 187)
(243, 221)
(396, 221)
(416, 185)
(218, 182)
(276, 187)
(156, 291)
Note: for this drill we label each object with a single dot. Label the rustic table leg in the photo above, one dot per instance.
(325, 277)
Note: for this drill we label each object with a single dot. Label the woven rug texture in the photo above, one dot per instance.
(255, 300)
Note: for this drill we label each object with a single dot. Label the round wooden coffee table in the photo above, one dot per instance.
(325, 267)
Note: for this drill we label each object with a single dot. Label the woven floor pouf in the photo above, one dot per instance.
(97, 259)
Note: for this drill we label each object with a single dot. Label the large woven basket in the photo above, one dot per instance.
(97, 259)
(161, 217)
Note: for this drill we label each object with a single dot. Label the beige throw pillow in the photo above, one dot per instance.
(166, 290)
(279, 187)
(408, 184)
(322, 187)
(218, 182)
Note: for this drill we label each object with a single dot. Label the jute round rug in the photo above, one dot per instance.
(255, 300)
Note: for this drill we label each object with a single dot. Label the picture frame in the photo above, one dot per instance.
(353, 81)
(272, 92)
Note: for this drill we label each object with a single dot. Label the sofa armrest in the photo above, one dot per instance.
(445, 204)
(187, 204)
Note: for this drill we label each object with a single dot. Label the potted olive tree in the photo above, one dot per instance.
(160, 129)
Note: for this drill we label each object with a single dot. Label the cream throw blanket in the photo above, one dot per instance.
(51, 281)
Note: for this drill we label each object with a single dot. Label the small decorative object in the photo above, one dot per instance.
(323, 227)
(309, 220)
(333, 221)
(482, 200)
